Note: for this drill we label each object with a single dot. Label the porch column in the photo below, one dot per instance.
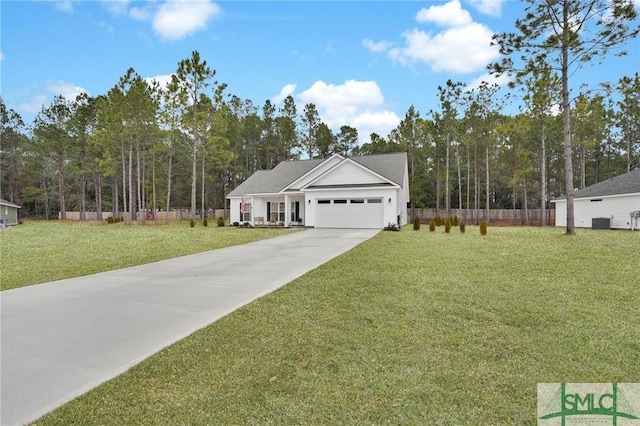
(287, 212)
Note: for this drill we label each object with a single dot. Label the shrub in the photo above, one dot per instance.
(483, 227)
(432, 225)
(416, 223)
(191, 223)
(462, 227)
(236, 224)
(246, 225)
(110, 220)
(221, 221)
(391, 227)
(447, 225)
(205, 222)
(455, 221)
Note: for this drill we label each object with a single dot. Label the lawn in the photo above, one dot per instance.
(411, 328)
(37, 252)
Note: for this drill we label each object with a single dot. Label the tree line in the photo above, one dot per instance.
(143, 147)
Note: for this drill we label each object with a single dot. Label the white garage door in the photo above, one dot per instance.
(349, 213)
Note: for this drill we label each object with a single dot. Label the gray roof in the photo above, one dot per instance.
(7, 203)
(391, 166)
(274, 180)
(628, 183)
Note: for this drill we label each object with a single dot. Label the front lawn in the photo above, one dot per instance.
(37, 252)
(408, 328)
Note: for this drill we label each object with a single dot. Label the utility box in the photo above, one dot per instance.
(601, 223)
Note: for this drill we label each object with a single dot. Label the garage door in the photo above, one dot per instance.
(349, 213)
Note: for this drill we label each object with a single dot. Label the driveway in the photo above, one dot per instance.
(63, 338)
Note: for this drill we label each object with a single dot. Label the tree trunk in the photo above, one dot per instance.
(447, 195)
(98, 183)
(543, 174)
(194, 177)
(61, 195)
(438, 189)
(168, 206)
(525, 207)
(566, 125)
(459, 181)
(486, 154)
(132, 208)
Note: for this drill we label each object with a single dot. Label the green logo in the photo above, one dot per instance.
(588, 403)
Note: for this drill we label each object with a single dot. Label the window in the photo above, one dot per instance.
(596, 200)
(374, 201)
(339, 201)
(357, 201)
(324, 201)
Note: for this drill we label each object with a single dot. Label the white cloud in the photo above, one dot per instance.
(462, 46)
(64, 6)
(489, 7)
(116, 7)
(378, 47)
(501, 80)
(162, 79)
(177, 19)
(1, 56)
(447, 15)
(69, 91)
(33, 106)
(140, 13)
(457, 50)
(359, 104)
(287, 90)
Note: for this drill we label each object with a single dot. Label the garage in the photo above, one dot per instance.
(349, 213)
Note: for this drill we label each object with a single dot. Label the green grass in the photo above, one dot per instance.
(411, 328)
(37, 252)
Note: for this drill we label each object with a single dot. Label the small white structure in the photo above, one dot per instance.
(8, 213)
(337, 192)
(616, 199)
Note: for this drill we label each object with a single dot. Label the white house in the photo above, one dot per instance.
(337, 192)
(616, 198)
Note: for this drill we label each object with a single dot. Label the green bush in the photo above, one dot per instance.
(416, 223)
(455, 221)
(391, 227)
(483, 227)
(205, 222)
(221, 221)
(432, 225)
(191, 223)
(110, 220)
(236, 223)
(447, 225)
(462, 227)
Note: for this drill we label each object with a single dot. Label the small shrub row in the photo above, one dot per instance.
(393, 227)
(112, 220)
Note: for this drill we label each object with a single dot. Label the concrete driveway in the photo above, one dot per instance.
(63, 338)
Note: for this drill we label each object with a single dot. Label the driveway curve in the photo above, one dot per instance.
(63, 338)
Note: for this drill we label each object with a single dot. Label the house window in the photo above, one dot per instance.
(374, 200)
(596, 200)
(339, 201)
(324, 201)
(357, 201)
(275, 212)
(246, 216)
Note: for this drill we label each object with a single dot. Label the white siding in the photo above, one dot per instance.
(350, 173)
(320, 169)
(619, 207)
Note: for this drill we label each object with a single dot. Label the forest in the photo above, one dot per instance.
(143, 146)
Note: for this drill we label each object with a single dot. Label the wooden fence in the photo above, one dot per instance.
(470, 216)
(174, 214)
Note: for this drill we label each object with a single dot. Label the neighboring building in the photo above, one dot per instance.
(616, 199)
(338, 192)
(8, 213)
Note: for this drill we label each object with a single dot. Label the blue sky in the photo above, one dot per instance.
(362, 63)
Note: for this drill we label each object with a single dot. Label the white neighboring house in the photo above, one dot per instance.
(337, 192)
(616, 198)
(8, 213)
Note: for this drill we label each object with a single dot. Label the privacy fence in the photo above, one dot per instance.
(501, 216)
(174, 214)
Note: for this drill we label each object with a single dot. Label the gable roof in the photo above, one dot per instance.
(7, 203)
(390, 166)
(274, 180)
(628, 183)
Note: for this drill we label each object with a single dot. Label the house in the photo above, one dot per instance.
(8, 213)
(337, 192)
(616, 199)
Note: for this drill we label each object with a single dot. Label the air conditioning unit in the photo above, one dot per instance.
(601, 223)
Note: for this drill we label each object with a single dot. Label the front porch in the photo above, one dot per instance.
(285, 210)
